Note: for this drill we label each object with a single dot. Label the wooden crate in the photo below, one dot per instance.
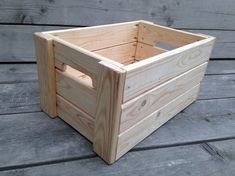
(116, 84)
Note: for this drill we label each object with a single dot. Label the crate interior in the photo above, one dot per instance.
(128, 43)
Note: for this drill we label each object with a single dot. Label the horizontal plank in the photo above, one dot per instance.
(16, 73)
(122, 53)
(16, 42)
(35, 137)
(75, 92)
(153, 34)
(95, 38)
(143, 76)
(221, 67)
(77, 59)
(215, 86)
(78, 119)
(180, 14)
(19, 97)
(138, 108)
(146, 126)
(179, 160)
(224, 44)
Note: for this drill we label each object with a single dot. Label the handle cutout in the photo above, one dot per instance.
(165, 46)
(79, 76)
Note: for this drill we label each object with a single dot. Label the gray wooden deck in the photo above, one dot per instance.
(198, 141)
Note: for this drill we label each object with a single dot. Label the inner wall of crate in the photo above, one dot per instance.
(125, 51)
(128, 43)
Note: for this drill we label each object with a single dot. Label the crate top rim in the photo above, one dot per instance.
(136, 65)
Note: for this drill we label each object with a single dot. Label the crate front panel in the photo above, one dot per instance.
(146, 126)
(143, 78)
(138, 108)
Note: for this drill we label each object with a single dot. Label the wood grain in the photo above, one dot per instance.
(46, 73)
(73, 90)
(110, 91)
(100, 37)
(138, 108)
(142, 76)
(122, 53)
(143, 128)
(152, 34)
(211, 14)
(177, 160)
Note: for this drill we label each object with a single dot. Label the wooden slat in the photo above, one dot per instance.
(144, 51)
(152, 34)
(143, 128)
(138, 108)
(99, 37)
(192, 159)
(46, 73)
(75, 91)
(76, 59)
(19, 97)
(142, 76)
(122, 53)
(16, 73)
(109, 99)
(211, 14)
(78, 119)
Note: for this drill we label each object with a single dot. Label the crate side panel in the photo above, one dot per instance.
(77, 93)
(100, 37)
(136, 109)
(142, 129)
(161, 68)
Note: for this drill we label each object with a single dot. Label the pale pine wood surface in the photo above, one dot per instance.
(46, 73)
(143, 105)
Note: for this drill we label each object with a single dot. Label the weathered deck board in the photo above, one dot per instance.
(19, 97)
(43, 139)
(190, 160)
(16, 73)
(211, 14)
(19, 87)
(35, 137)
(18, 42)
(221, 67)
(217, 86)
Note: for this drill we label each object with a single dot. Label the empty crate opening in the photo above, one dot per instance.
(128, 43)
